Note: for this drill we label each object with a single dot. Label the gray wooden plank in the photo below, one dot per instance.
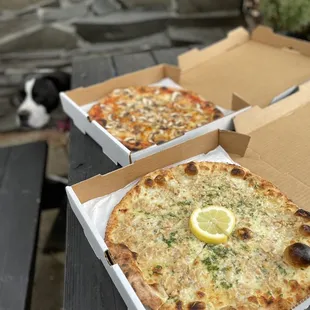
(87, 284)
(133, 62)
(169, 55)
(20, 194)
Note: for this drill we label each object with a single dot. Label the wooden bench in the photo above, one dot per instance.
(22, 170)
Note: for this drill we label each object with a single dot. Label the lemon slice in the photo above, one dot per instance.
(212, 224)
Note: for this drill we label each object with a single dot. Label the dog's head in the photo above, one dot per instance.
(39, 96)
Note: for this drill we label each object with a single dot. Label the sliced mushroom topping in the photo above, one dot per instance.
(110, 117)
(127, 91)
(130, 140)
(297, 255)
(117, 91)
(151, 137)
(198, 107)
(175, 95)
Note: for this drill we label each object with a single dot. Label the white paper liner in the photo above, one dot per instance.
(100, 209)
(167, 82)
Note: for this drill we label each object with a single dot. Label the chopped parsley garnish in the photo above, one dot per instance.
(282, 270)
(211, 266)
(171, 239)
(184, 203)
(226, 285)
(171, 214)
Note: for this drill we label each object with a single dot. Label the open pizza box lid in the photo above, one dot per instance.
(261, 68)
(287, 177)
(77, 102)
(279, 148)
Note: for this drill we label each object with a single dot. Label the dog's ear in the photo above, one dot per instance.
(60, 79)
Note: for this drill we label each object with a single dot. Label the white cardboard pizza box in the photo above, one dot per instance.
(291, 178)
(77, 102)
(262, 67)
(101, 185)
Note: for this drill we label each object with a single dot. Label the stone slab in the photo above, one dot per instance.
(104, 7)
(191, 35)
(190, 6)
(121, 26)
(38, 37)
(147, 4)
(158, 40)
(57, 14)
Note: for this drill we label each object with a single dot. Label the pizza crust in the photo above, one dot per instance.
(151, 296)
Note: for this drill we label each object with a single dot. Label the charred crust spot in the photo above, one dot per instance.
(303, 213)
(123, 210)
(179, 305)
(191, 169)
(134, 255)
(148, 182)
(244, 233)
(196, 305)
(217, 114)
(160, 179)
(208, 104)
(237, 172)
(138, 189)
(160, 142)
(266, 301)
(200, 294)
(154, 285)
(305, 230)
(103, 122)
(127, 274)
(294, 285)
(157, 269)
(253, 299)
(163, 88)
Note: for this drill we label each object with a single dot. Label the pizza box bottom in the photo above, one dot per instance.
(233, 143)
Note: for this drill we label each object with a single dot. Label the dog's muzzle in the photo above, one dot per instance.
(24, 117)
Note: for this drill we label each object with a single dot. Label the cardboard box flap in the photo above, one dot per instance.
(257, 117)
(234, 38)
(98, 186)
(266, 35)
(256, 71)
(281, 155)
(82, 96)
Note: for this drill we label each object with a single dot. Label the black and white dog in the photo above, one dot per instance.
(39, 96)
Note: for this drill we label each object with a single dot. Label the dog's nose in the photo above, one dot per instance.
(23, 115)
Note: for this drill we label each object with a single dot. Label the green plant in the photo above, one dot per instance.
(286, 15)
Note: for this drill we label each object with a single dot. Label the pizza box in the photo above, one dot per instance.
(235, 144)
(77, 102)
(262, 67)
(279, 148)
